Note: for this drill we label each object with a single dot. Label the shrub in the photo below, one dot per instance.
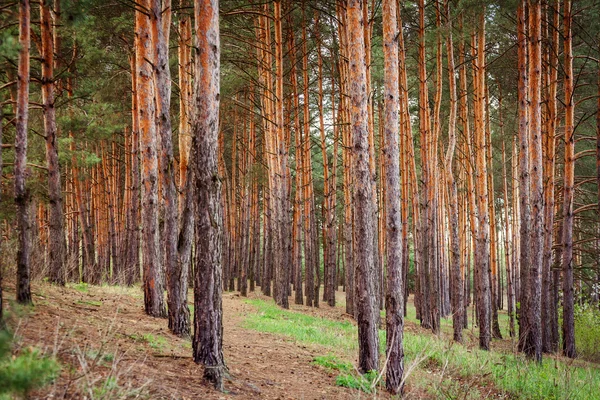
(28, 370)
(587, 331)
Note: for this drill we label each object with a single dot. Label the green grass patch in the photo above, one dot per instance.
(90, 303)
(365, 382)
(333, 363)
(81, 287)
(509, 373)
(156, 342)
(301, 327)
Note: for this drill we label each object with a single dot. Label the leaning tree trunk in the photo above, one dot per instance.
(367, 307)
(57, 243)
(22, 196)
(394, 301)
(208, 312)
(153, 271)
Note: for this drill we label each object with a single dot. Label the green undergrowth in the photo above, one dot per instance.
(24, 371)
(587, 331)
(348, 377)
(156, 342)
(437, 359)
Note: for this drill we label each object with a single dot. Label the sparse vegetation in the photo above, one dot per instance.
(503, 372)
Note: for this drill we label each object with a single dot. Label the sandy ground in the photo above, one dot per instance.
(102, 335)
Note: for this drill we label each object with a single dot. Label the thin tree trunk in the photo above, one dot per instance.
(550, 336)
(455, 264)
(57, 244)
(1, 269)
(279, 191)
(524, 174)
(347, 163)
(426, 311)
(533, 347)
(568, 328)
(22, 195)
(152, 261)
(394, 302)
(176, 278)
(132, 266)
(482, 254)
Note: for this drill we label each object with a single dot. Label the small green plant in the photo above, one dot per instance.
(81, 287)
(99, 355)
(366, 382)
(156, 342)
(332, 362)
(21, 373)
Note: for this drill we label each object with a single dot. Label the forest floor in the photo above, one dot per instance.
(109, 349)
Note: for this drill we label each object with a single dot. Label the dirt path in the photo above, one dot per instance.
(102, 337)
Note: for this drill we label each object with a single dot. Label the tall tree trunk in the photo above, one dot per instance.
(298, 206)
(394, 302)
(533, 347)
(208, 311)
(132, 266)
(482, 254)
(348, 233)
(1, 269)
(367, 309)
(22, 195)
(176, 278)
(152, 261)
(455, 264)
(550, 336)
(524, 174)
(495, 275)
(426, 311)
(57, 243)
(568, 328)
(309, 240)
(280, 197)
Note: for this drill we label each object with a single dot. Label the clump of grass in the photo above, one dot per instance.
(81, 287)
(349, 377)
(365, 382)
(156, 342)
(90, 303)
(333, 363)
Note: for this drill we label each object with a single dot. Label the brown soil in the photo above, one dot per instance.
(103, 332)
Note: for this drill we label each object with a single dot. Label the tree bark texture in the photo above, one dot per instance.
(208, 311)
